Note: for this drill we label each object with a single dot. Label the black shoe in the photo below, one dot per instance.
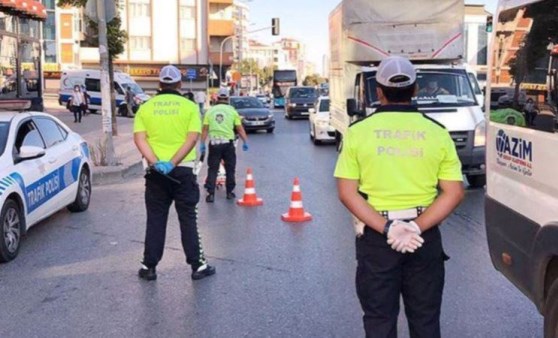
(210, 198)
(231, 195)
(203, 271)
(147, 273)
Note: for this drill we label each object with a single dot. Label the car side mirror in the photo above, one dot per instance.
(29, 153)
(352, 108)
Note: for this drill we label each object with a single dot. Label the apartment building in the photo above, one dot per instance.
(476, 38)
(186, 33)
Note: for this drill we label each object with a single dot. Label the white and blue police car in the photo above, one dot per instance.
(44, 167)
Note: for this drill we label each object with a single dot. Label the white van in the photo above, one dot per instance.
(521, 205)
(91, 80)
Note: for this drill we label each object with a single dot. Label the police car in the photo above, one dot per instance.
(44, 167)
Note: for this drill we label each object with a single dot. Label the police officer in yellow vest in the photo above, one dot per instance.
(389, 171)
(166, 129)
(219, 124)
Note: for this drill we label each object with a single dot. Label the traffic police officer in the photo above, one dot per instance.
(166, 129)
(389, 171)
(220, 123)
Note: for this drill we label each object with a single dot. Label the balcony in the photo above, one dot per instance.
(227, 58)
(220, 27)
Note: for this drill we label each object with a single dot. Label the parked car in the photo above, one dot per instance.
(254, 115)
(320, 129)
(299, 100)
(265, 99)
(44, 167)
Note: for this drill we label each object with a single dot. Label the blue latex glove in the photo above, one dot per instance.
(202, 148)
(245, 147)
(164, 167)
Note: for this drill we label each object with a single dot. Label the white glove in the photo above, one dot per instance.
(404, 237)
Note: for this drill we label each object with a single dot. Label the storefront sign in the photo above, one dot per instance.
(193, 73)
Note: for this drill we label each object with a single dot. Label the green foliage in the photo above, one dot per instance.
(313, 80)
(251, 66)
(116, 36)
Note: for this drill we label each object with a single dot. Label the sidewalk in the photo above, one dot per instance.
(90, 129)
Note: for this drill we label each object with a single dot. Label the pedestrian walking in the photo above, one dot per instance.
(85, 104)
(219, 124)
(130, 101)
(166, 129)
(530, 112)
(77, 103)
(388, 173)
(200, 100)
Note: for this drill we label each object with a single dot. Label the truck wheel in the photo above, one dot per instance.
(476, 181)
(11, 224)
(551, 312)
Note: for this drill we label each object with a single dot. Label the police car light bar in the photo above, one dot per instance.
(14, 105)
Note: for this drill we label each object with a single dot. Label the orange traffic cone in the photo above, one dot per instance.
(296, 211)
(250, 199)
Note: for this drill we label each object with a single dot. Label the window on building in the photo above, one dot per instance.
(49, 4)
(49, 26)
(7, 22)
(140, 42)
(29, 56)
(187, 45)
(482, 43)
(187, 12)
(8, 76)
(140, 8)
(50, 51)
(29, 27)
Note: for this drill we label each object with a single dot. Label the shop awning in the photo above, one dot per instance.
(38, 10)
(30, 8)
(9, 4)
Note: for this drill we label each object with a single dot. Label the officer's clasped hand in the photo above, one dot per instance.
(404, 237)
(202, 148)
(245, 147)
(164, 167)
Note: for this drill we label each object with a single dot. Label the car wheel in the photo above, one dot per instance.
(476, 181)
(12, 223)
(270, 130)
(83, 196)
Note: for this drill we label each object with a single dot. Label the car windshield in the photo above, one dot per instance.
(134, 87)
(299, 93)
(437, 88)
(246, 103)
(324, 105)
(4, 127)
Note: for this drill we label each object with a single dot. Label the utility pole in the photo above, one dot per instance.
(105, 85)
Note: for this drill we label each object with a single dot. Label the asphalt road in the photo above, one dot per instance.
(76, 273)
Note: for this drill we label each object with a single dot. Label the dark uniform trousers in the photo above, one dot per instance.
(384, 274)
(160, 192)
(218, 152)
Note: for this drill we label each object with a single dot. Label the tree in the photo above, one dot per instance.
(313, 80)
(116, 37)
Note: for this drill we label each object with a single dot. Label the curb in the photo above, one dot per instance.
(112, 175)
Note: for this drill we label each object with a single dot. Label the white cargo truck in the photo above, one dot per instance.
(430, 34)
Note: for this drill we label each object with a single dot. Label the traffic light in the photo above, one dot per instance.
(489, 24)
(275, 26)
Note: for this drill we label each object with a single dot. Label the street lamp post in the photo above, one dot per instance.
(221, 58)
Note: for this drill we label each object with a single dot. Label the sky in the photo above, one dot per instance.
(305, 20)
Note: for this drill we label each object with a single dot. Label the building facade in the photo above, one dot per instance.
(476, 38)
(186, 33)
